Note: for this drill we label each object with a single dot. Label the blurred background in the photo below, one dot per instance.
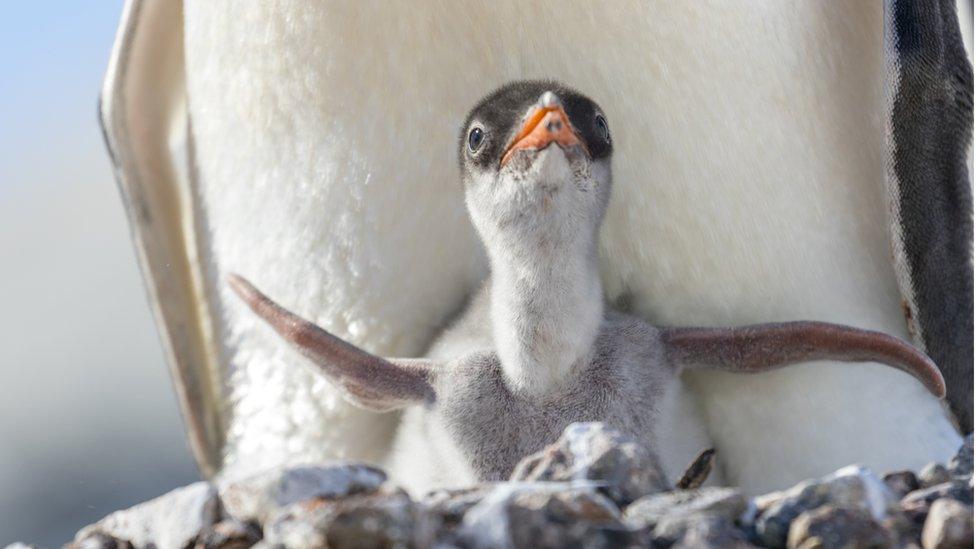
(88, 419)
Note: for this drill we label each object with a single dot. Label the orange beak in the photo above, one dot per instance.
(544, 126)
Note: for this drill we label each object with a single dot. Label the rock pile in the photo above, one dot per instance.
(592, 488)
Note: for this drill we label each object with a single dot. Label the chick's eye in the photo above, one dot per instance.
(475, 137)
(601, 125)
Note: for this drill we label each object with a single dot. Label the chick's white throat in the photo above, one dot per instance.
(540, 227)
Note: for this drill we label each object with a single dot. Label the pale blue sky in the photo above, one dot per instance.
(53, 55)
(88, 420)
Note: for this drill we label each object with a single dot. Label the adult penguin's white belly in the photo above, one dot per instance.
(748, 188)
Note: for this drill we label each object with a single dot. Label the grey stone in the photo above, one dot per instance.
(904, 528)
(933, 474)
(454, 503)
(901, 482)
(624, 470)
(19, 545)
(99, 541)
(447, 508)
(261, 496)
(961, 464)
(915, 507)
(957, 489)
(544, 515)
(646, 512)
(836, 527)
(705, 530)
(384, 518)
(229, 534)
(852, 487)
(174, 519)
(949, 525)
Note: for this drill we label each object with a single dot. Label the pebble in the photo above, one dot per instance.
(698, 531)
(839, 527)
(229, 534)
(385, 518)
(933, 474)
(545, 515)
(948, 526)
(175, 519)
(958, 489)
(648, 511)
(852, 487)
(901, 482)
(260, 497)
(593, 452)
(99, 541)
(961, 464)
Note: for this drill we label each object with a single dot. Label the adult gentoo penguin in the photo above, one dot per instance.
(310, 147)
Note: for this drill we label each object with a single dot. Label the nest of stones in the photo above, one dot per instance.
(592, 488)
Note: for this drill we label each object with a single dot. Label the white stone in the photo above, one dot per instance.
(949, 524)
(172, 520)
(261, 496)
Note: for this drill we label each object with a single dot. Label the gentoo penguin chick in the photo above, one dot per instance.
(535, 163)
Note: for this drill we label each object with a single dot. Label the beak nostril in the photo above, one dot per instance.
(554, 125)
(549, 99)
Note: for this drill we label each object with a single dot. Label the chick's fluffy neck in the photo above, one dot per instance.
(546, 306)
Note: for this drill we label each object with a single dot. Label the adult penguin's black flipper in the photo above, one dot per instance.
(929, 82)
